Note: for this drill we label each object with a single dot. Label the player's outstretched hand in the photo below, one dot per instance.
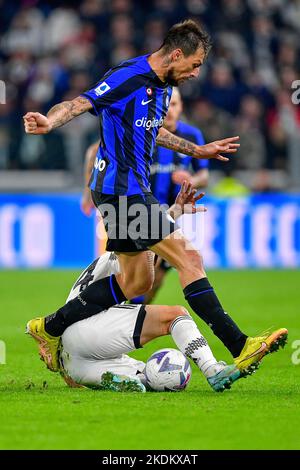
(214, 149)
(185, 202)
(36, 123)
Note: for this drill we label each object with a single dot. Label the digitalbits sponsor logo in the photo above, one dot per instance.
(149, 123)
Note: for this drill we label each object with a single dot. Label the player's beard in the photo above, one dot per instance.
(171, 78)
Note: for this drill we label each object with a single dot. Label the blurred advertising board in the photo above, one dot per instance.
(45, 231)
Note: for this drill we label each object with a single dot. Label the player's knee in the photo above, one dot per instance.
(171, 315)
(188, 259)
(194, 263)
(179, 311)
(143, 284)
(194, 258)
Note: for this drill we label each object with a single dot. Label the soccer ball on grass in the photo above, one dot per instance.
(168, 370)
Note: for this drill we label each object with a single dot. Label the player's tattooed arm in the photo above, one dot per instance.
(171, 141)
(58, 115)
(67, 110)
(212, 150)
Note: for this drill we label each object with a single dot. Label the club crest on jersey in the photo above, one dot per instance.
(102, 88)
(149, 91)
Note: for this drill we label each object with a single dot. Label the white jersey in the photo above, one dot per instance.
(99, 344)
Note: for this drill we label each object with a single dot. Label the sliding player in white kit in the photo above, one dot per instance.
(99, 344)
(94, 350)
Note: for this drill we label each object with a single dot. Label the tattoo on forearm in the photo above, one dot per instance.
(67, 110)
(172, 142)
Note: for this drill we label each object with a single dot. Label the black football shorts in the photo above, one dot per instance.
(133, 223)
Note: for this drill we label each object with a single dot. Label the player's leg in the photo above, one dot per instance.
(160, 271)
(115, 374)
(136, 272)
(98, 345)
(201, 297)
(162, 320)
(136, 277)
(197, 290)
(99, 294)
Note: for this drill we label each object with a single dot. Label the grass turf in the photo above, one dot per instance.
(38, 411)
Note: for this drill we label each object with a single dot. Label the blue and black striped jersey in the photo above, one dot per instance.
(166, 161)
(131, 102)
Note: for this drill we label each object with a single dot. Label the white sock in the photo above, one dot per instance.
(189, 340)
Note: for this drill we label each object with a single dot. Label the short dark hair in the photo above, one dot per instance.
(187, 36)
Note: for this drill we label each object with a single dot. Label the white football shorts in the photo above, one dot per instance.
(99, 344)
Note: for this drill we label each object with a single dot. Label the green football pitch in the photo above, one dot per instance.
(38, 411)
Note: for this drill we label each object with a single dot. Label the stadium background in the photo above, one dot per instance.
(52, 51)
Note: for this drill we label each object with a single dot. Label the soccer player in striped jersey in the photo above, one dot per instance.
(131, 101)
(168, 170)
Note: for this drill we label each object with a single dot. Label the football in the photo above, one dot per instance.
(168, 370)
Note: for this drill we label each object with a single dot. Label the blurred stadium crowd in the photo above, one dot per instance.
(52, 51)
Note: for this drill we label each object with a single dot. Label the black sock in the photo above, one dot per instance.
(203, 300)
(96, 297)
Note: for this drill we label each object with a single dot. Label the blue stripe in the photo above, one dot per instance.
(109, 139)
(202, 292)
(112, 289)
(121, 168)
(133, 185)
